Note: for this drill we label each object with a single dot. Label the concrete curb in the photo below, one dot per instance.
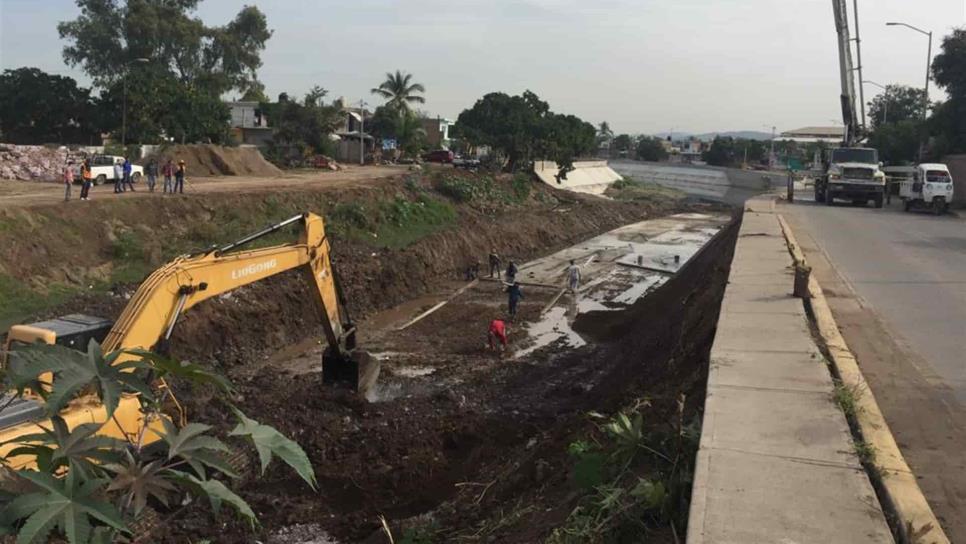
(917, 522)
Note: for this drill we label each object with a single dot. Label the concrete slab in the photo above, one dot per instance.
(753, 332)
(807, 372)
(800, 424)
(743, 498)
(765, 297)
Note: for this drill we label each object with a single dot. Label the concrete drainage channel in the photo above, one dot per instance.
(636, 328)
(778, 461)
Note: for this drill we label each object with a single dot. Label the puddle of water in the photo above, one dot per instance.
(639, 289)
(553, 326)
(413, 371)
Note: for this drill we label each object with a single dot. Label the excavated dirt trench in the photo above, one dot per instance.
(478, 424)
(474, 423)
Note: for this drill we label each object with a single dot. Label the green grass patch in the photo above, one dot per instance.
(392, 224)
(18, 301)
(633, 189)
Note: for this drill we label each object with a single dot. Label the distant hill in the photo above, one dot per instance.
(743, 134)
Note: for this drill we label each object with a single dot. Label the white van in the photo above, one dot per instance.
(931, 187)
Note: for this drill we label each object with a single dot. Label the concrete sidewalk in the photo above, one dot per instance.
(776, 462)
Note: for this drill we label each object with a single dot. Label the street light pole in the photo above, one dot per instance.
(140, 60)
(925, 99)
(885, 108)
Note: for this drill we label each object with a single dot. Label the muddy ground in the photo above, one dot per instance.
(474, 449)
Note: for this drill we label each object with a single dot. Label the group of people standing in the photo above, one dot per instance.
(497, 333)
(173, 176)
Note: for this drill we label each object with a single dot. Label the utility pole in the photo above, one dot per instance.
(858, 59)
(362, 133)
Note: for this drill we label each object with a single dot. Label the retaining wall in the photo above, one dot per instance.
(592, 177)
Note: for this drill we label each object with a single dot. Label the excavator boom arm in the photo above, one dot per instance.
(160, 300)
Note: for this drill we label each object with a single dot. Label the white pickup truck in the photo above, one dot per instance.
(102, 169)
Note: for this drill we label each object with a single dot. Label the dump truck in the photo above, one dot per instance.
(148, 320)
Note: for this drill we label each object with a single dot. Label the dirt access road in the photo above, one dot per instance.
(894, 282)
(32, 193)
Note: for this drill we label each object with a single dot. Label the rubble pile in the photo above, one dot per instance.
(32, 162)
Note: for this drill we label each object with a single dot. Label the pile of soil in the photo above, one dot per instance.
(216, 160)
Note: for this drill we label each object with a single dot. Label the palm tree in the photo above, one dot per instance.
(409, 132)
(399, 90)
(604, 130)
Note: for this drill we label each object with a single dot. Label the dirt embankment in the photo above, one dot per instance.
(89, 258)
(216, 160)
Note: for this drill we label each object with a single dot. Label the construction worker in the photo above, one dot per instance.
(118, 176)
(495, 264)
(511, 272)
(86, 178)
(497, 333)
(127, 175)
(152, 172)
(167, 171)
(573, 276)
(179, 178)
(68, 179)
(514, 295)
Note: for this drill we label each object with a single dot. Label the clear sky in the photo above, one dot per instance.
(642, 65)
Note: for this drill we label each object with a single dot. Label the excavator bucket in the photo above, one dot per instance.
(358, 370)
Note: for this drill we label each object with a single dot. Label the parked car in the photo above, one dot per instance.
(102, 169)
(468, 163)
(444, 156)
(931, 187)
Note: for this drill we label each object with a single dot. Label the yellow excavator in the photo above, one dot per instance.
(148, 321)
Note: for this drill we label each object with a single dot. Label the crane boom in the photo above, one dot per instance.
(849, 115)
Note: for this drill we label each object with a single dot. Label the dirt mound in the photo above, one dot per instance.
(216, 160)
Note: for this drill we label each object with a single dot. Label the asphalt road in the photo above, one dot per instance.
(909, 267)
(896, 283)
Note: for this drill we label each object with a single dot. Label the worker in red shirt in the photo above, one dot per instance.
(497, 333)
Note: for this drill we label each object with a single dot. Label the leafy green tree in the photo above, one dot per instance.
(400, 91)
(383, 122)
(108, 482)
(898, 143)
(948, 122)
(108, 35)
(302, 129)
(650, 148)
(162, 105)
(722, 152)
(36, 108)
(896, 104)
(621, 145)
(522, 128)
(409, 132)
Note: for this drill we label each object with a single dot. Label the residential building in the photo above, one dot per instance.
(248, 124)
(437, 131)
(352, 132)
